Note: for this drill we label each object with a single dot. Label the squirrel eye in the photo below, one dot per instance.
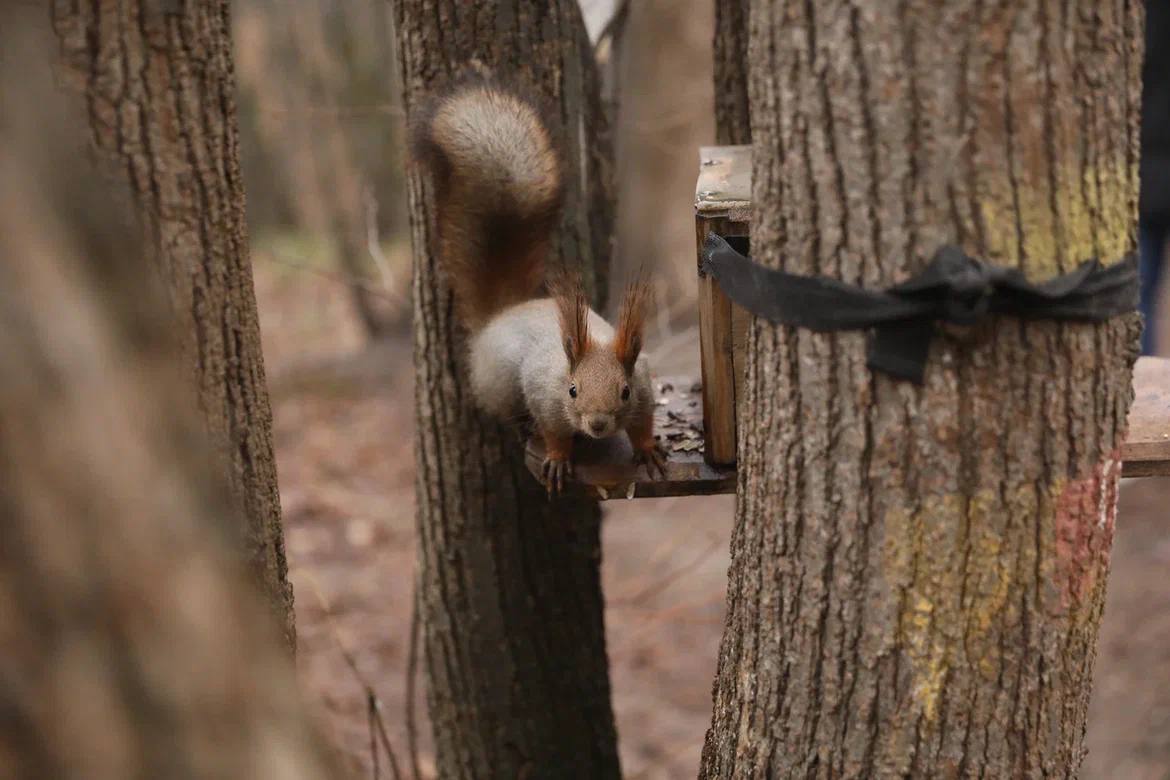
(626, 393)
(572, 391)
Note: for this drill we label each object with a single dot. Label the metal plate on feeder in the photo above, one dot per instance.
(724, 187)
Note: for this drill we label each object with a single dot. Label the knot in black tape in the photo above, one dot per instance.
(970, 286)
(953, 288)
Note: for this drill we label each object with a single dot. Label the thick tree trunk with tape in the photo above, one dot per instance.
(510, 592)
(160, 90)
(918, 573)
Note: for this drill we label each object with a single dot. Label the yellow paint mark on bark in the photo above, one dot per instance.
(960, 563)
(926, 629)
(991, 591)
(1085, 206)
(929, 654)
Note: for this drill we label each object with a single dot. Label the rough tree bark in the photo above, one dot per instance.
(732, 117)
(131, 644)
(509, 583)
(160, 90)
(918, 573)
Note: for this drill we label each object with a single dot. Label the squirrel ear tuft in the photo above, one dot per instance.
(627, 341)
(571, 351)
(573, 313)
(628, 355)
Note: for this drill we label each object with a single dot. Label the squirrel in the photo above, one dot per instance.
(499, 184)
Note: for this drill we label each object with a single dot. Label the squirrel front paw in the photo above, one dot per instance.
(555, 470)
(654, 458)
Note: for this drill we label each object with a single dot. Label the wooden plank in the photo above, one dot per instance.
(718, 366)
(604, 467)
(1146, 451)
(722, 206)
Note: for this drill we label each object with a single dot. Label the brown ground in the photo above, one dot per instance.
(343, 438)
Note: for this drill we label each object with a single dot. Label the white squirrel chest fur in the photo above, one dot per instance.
(518, 364)
(518, 357)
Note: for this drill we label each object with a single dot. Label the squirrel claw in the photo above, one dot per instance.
(654, 458)
(555, 470)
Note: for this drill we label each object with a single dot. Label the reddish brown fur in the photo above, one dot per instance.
(603, 370)
(498, 187)
(627, 342)
(573, 314)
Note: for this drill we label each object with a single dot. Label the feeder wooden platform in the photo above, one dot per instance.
(604, 468)
(1146, 451)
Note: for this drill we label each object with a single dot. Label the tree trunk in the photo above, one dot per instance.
(132, 645)
(732, 117)
(918, 573)
(510, 590)
(158, 83)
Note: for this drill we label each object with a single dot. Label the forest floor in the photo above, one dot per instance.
(343, 426)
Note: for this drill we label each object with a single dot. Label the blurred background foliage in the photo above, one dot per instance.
(322, 146)
(322, 133)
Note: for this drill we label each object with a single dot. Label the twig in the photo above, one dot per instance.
(411, 676)
(371, 713)
(373, 241)
(377, 715)
(373, 704)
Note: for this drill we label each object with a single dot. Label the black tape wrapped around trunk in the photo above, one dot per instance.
(953, 288)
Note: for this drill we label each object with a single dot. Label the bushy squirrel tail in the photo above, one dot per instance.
(498, 188)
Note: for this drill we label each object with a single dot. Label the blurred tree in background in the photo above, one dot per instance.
(158, 84)
(133, 642)
(322, 131)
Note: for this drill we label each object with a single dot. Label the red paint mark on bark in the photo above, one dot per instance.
(1086, 511)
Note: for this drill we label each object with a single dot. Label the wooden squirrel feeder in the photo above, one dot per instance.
(695, 418)
(723, 204)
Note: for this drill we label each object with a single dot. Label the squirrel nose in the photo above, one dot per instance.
(598, 425)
